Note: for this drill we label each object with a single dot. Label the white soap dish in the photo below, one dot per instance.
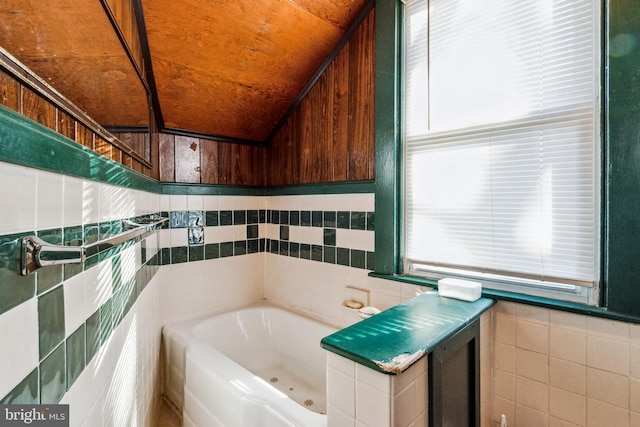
(466, 290)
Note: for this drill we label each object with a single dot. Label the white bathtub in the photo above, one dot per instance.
(257, 366)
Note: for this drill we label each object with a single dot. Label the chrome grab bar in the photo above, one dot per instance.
(37, 253)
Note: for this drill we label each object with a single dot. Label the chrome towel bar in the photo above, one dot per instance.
(36, 253)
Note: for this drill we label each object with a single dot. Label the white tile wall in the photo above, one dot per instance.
(18, 191)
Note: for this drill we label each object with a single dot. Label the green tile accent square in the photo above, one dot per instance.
(212, 251)
(294, 218)
(73, 236)
(51, 320)
(262, 216)
(239, 247)
(90, 262)
(195, 219)
(316, 219)
(343, 256)
(25, 393)
(275, 217)
(274, 246)
(226, 249)
(91, 233)
(329, 219)
(105, 321)
(49, 276)
(211, 218)
(252, 231)
(179, 254)
(143, 252)
(343, 219)
(226, 218)
(92, 327)
(14, 289)
(284, 217)
(329, 236)
(239, 217)
(104, 230)
(358, 220)
(165, 256)
(53, 377)
(371, 261)
(294, 250)
(284, 232)
(284, 248)
(371, 221)
(358, 258)
(316, 253)
(253, 246)
(253, 216)
(196, 253)
(305, 251)
(330, 254)
(305, 218)
(116, 273)
(76, 352)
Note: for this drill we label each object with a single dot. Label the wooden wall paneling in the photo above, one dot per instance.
(209, 162)
(241, 165)
(167, 165)
(187, 158)
(305, 138)
(66, 125)
(225, 159)
(116, 154)
(361, 97)
(102, 147)
(258, 162)
(84, 136)
(341, 117)
(127, 160)
(9, 91)
(39, 109)
(322, 97)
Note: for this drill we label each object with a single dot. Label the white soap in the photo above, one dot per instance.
(466, 290)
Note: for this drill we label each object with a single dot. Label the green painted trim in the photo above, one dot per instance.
(27, 143)
(571, 307)
(387, 135)
(210, 190)
(344, 187)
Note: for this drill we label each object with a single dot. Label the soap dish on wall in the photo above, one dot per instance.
(354, 298)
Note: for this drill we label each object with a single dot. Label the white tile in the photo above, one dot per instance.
(179, 237)
(74, 303)
(178, 202)
(90, 202)
(73, 201)
(210, 203)
(375, 379)
(98, 286)
(341, 391)
(49, 200)
(19, 338)
(373, 407)
(165, 203)
(211, 235)
(122, 202)
(195, 202)
(18, 189)
(337, 418)
(342, 364)
(164, 238)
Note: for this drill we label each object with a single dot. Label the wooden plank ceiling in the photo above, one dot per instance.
(226, 68)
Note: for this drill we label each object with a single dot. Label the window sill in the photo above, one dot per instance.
(571, 307)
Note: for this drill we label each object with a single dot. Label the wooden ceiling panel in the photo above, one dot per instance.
(73, 47)
(237, 66)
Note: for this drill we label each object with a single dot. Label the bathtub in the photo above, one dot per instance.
(257, 366)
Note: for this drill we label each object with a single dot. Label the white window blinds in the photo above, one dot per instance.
(501, 138)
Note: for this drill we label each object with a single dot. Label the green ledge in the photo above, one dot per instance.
(211, 190)
(342, 187)
(393, 340)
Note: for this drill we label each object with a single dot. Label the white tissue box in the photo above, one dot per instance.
(465, 290)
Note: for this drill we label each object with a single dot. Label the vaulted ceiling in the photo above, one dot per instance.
(229, 69)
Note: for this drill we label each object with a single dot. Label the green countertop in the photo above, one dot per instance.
(394, 339)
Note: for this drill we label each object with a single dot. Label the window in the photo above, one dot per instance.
(501, 144)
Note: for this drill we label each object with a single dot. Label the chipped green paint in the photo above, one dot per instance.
(391, 341)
